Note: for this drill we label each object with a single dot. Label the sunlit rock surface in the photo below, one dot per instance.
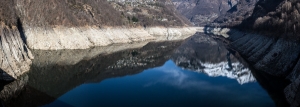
(15, 57)
(88, 37)
(81, 24)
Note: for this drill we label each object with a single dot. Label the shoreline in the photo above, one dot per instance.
(275, 56)
(87, 37)
(16, 46)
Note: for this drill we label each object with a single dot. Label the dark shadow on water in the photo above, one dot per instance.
(50, 78)
(274, 85)
(47, 80)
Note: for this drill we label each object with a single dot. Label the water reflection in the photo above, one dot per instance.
(167, 85)
(173, 73)
(271, 60)
(47, 78)
(52, 78)
(203, 54)
(175, 77)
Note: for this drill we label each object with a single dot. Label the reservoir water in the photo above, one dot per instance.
(197, 72)
(163, 86)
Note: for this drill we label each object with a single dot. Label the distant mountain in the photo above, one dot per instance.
(202, 12)
(234, 16)
(267, 17)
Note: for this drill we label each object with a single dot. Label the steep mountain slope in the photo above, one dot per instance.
(49, 13)
(267, 17)
(81, 24)
(242, 10)
(280, 17)
(61, 24)
(202, 12)
(273, 45)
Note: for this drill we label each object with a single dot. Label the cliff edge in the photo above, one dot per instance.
(81, 24)
(266, 35)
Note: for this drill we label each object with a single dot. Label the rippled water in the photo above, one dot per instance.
(196, 72)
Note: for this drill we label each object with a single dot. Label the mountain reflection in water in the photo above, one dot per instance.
(196, 72)
(205, 55)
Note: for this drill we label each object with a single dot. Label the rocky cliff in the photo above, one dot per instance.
(273, 55)
(15, 56)
(267, 38)
(81, 24)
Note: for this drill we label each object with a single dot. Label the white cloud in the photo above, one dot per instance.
(179, 79)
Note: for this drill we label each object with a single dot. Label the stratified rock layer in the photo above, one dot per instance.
(276, 56)
(14, 54)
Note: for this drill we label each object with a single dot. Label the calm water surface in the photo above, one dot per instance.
(197, 72)
(167, 85)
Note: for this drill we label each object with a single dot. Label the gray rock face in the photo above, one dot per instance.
(274, 48)
(56, 24)
(292, 93)
(15, 56)
(275, 56)
(202, 12)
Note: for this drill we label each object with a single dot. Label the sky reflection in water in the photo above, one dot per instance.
(167, 85)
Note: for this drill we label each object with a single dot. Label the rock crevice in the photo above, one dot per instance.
(15, 56)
